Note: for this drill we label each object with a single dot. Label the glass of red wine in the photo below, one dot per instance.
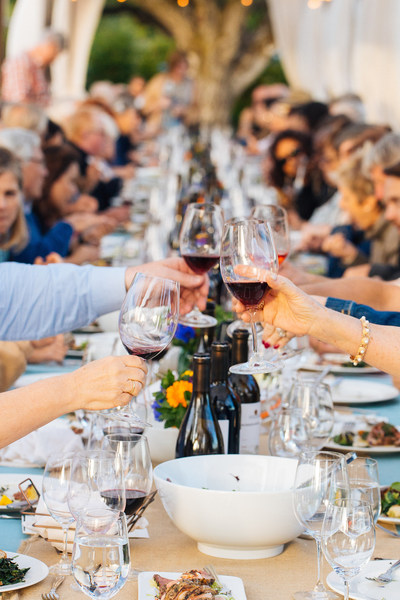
(147, 323)
(248, 242)
(200, 243)
(277, 218)
(134, 452)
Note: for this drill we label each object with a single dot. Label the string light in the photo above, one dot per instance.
(246, 2)
(182, 3)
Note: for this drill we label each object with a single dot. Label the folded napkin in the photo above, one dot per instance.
(50, 529)
(36, 447)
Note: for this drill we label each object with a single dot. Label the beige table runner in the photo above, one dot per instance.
(170, 550)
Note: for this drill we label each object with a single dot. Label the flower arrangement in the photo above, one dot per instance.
(172, 400)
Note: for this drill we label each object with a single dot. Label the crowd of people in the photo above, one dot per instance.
(60, 193)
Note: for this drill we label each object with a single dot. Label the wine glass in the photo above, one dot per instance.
(96, 493)
(137, 468)
(348, 537)
(248, 242)
(364, 483)
(55, 486)
(200, 242)
(320, 477)
(100, 562)
(147, 324)
(277, 218)
(289, 433)
(315, 402)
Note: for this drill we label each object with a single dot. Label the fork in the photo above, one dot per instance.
(52, 594)
(387, 576)
(210, 569)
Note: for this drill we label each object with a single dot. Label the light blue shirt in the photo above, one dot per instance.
(39, 301)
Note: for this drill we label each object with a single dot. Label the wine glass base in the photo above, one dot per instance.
(61, 569)
(316, 595)
(127, 416)
(261, 366)
(197, 320)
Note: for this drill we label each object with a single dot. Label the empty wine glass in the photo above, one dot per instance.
(100, 562)
(200, 242)
(289, 433)
(319, 476)
(147, 323)
(348, 537)
(277, 218)
(248, 242)
(364, 483)
(55, 486)
(96, 493)
(315, 402)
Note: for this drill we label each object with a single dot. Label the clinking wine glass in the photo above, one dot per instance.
(200, 243)
(147, 323)
(248, 242)
(348, 538)
(277, 218)
(320, 478)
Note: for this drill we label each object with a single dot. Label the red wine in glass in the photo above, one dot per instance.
(250, 293)
(200, 263)
(147, 353)
(281, 257)
(134, 499)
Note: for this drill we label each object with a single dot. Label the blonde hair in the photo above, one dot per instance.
(18, 233)
(352, 176)
(26, 116)
(80, 122)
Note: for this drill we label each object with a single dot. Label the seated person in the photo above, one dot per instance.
(13, 229)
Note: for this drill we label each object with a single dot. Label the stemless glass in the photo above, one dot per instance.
(200, 243)
(248, 242)
(348, 538)
(147, 323)
(55, 486)
(277, 218)
(315, 402)
(319, 475)
(96, 493)
(289, 433)
(100, 562)
(364, 483)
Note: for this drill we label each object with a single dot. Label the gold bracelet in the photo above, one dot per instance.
(365, 339)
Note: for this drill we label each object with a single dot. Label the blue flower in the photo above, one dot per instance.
(155, 406)
(184, 333)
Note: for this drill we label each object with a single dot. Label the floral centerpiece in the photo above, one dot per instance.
(171, 401)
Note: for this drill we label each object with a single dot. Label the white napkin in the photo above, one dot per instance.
(51, 530)
(36, 447)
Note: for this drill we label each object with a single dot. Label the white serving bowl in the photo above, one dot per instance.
(234, 506)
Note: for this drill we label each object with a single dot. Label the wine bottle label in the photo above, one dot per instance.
(250, 428)
(224, 427)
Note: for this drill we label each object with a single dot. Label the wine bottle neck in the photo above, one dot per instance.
(240, 351)
(219, 367)
(201, 374)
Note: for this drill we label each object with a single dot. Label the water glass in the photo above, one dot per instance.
(348, 538)
(364, 483)
(100, 561)
(289, 433)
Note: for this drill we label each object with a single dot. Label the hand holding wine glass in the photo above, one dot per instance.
(277, 218)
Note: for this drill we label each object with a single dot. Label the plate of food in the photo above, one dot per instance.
(18, 571)
(390, 497)
(363, 589)
(382, 438)
(339, 364)
(12, 500)
(153, 584)
(349, 391)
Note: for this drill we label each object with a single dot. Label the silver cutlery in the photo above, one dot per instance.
(387, 576)
(52, 594)
(210, 569)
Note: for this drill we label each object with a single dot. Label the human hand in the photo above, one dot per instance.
(358, 271)
(49, 349)
(193, 288)
(285, 305)
(85, 203)
(81, 221)
(108, 382)
(94, 233)
(51, 259)
(337, 245)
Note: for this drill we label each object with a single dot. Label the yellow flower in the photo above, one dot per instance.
(175, 393)
(187, 373)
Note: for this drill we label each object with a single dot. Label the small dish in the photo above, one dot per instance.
(148, 591)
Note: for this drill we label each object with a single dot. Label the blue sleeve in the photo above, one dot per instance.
(40, 301)
(348, 307)
(57, 239)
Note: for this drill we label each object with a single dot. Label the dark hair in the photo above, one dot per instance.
(58, 159)
(393, 170)
(311, 112)
(52, 129)
(276, 174)
(328, 128)
(268, 102)
(359, 133)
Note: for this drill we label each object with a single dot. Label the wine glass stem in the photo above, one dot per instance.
(319, 583)
(346, 589)
(254, 332)
(64, 557)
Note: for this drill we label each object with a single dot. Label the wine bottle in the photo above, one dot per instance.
(248, 391)
(224, 399)
(207, 333)
(199, 432)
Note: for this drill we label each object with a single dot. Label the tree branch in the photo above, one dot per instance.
(253, 62)
(232, 20)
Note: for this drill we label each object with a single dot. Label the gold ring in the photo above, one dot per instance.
(281, 332)
(133, 388)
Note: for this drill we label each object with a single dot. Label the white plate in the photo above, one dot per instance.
(37, 571)
(147, 591)
(389, 520)
(362, 589)
(364, 449)
(352, 391)
(335, 362)
(11, 481)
